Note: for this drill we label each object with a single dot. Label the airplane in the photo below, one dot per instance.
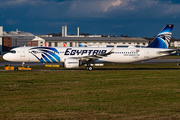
(46, 45)
(64, 45)
(79, 45)
(73, 57)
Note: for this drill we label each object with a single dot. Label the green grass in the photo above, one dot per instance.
(109, 94)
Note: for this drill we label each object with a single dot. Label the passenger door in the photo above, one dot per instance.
(22, 52)
(146, 53)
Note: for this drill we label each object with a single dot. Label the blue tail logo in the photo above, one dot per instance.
(162, 40)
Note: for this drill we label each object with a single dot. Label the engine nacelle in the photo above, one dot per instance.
(71, 63)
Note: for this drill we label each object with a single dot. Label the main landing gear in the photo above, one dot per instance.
(89, 67)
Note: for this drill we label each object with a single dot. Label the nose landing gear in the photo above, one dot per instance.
(23, 64)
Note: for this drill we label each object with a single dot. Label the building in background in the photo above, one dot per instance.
(176, 43)
(64, 33)
(91, 40)
(19, 38)
(7, 44)
(9, 40)
(95, 41)
(37, 41)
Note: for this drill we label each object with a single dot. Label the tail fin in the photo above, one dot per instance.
(81, 45)
(46, 45)
(64, 45)
(162, 40)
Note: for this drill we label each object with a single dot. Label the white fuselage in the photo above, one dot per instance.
(59, 54)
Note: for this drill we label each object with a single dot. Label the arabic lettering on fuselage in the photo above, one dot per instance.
(70, 51)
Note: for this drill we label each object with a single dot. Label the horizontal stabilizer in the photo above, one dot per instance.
(168, 52)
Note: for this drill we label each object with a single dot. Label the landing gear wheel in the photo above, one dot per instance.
(90, 68)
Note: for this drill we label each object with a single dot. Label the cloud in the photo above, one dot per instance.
(118, 26)
(57, 9)
(57, 24)
(112, 4)
(116, 14)
(17, 3)
(170, 1)
(11, 21)
(107, 8)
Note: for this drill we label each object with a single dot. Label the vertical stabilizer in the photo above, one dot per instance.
(162, 40)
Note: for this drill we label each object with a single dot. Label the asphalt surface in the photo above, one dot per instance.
(27, 64)
(104, 69)
(39, 64)
(147, 62)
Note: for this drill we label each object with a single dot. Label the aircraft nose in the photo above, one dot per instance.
(6, 57)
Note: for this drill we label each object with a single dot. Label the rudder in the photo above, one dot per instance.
(162, 40)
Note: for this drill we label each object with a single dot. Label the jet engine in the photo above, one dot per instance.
(72, 63)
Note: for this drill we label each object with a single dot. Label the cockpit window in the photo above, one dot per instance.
(12, 51)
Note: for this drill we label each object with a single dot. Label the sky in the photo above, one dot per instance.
(136, 18)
